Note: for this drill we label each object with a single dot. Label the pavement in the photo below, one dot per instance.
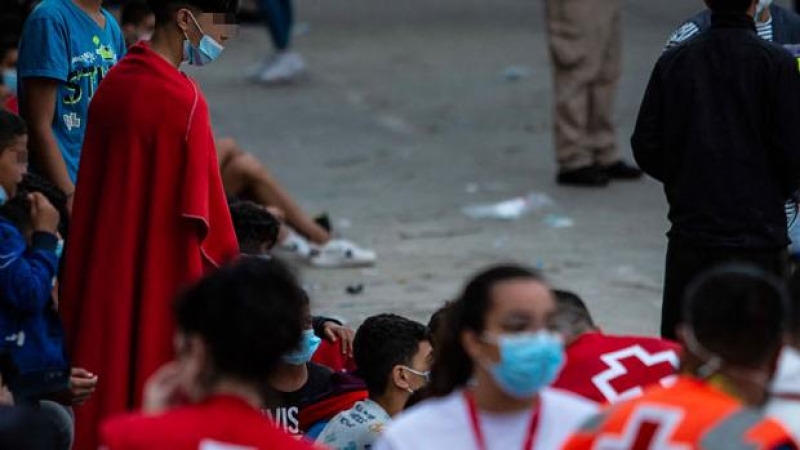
(407, 116)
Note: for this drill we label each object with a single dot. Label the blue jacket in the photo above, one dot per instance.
(30, 328)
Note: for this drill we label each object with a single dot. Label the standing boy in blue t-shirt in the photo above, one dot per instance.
(67, 48)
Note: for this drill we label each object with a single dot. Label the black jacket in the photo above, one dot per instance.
(720, 127)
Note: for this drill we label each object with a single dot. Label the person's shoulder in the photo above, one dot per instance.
(348, 426)
(776, 53)
(319, 369)
(48, 10)
(427, 414)
(648, 343)
(568, 403)
(133, 431)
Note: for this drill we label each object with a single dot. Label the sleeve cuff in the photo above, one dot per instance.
(44, 241)
(319, 324)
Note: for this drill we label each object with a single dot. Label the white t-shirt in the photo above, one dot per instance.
(787, 383)
(444, 424)
(355, 429)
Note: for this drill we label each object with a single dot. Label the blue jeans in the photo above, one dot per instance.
(279, 18)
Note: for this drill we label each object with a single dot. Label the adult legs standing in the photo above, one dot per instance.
(284, 65)
(570, 52)
(601, 132)
(585, 48)
(278, 17)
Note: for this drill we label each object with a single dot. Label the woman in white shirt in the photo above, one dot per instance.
(495, 356)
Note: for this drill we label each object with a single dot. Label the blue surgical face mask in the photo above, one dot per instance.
(205, 53)
(303, 353)
(60, 248)
(528, 362)
(10, 79)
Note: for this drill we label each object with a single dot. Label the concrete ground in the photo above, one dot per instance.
(406, 117)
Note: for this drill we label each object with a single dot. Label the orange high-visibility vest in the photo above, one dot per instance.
(686, 416)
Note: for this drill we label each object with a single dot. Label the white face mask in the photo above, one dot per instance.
(713, 363)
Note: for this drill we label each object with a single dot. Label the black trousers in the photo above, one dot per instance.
(685, 262)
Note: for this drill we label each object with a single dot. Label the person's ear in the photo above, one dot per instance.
(183, 19)
(400, 378)
(472, 344)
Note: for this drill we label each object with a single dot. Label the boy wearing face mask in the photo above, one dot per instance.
(300, 385)
(733, 326)
(150, 214)
(394, 356)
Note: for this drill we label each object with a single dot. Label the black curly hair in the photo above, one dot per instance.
(18, 208)
(383, 342)
(248, 314)
(255, 227)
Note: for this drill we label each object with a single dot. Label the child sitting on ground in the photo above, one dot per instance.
(30, 328)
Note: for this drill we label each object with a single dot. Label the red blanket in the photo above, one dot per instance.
(150, 217)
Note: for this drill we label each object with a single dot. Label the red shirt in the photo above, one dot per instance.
(608, 369)
(219, 423)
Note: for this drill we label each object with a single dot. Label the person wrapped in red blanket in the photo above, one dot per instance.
(150, 216)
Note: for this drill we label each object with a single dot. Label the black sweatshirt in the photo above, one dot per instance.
(720, 127)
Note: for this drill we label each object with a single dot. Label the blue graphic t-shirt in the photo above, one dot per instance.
(62, 42)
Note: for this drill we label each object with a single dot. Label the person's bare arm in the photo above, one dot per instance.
(38, 108)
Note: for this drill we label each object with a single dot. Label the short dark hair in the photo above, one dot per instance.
(134, 13)
(572, 316)
(165, 9)
(17, 209)
(738, 312)
(729, 5)
(254, 226)
(11, 127)
(248, 314)
(383, 342)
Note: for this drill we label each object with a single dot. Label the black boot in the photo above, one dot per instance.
(589, 176)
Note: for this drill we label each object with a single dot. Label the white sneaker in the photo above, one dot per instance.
(284, 68)
(341, 254)
(254, 72)
(293, 247)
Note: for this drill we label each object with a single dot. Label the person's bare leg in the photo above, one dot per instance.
(242, 172)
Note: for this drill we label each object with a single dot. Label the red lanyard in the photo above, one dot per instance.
(478, 432)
